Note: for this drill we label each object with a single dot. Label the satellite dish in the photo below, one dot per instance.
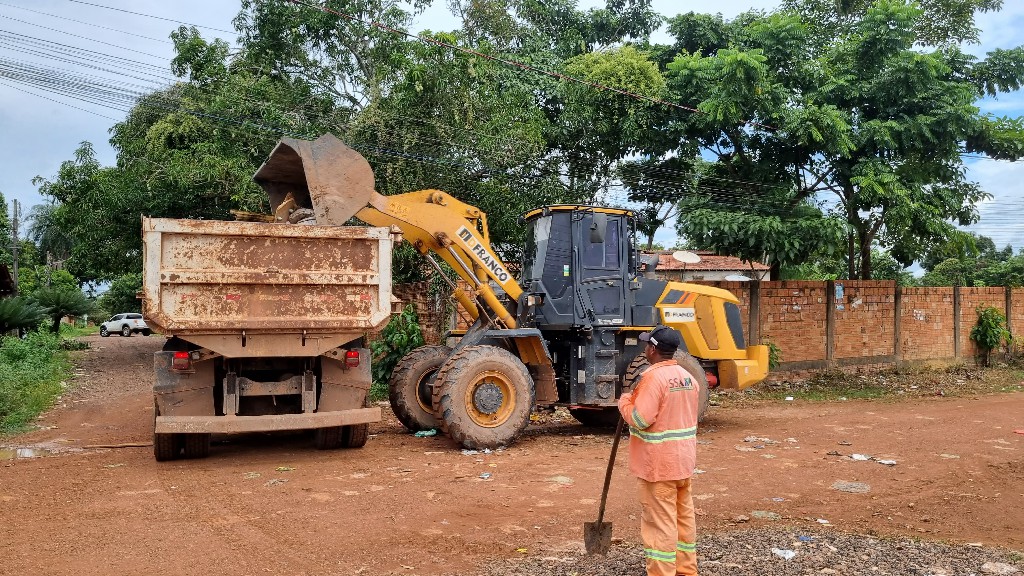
(737, 278)
(686, 257)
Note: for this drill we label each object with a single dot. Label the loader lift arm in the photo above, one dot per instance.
(337, 183)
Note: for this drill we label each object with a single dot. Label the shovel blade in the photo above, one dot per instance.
(597, 536)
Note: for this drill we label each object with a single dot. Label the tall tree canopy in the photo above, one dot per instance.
(813, 140)
(817, 129)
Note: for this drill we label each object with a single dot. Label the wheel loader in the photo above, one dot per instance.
(563, 334)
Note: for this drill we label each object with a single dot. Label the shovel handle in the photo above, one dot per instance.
(608, 473)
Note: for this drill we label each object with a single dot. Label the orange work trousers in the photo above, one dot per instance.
(668, 527)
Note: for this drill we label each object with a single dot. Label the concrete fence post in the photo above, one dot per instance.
(956, 322)
(897, 324)
(754, 313)
(830, 322)
(1009, 310)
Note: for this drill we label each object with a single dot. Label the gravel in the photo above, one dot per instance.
(749, 552)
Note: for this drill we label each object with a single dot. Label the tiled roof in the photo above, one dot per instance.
(708, 261)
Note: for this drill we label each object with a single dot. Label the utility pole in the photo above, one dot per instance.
(14, 242)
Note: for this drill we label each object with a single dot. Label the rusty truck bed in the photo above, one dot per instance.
(247, 289)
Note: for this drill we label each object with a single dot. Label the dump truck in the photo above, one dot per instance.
(265, 325)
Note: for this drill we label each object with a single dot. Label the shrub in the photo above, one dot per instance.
(989, 332)
(400, 336)
(32, 372)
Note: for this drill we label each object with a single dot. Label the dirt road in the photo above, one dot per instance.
(273, 504)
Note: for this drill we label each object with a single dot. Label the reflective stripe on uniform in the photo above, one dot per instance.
(664, 436)
(686, 547)
(659, 555)
(638, 420)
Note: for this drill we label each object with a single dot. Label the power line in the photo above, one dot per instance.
(86, 23)
(154, 17)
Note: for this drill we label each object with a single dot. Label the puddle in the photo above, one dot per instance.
(34, 451)
(12, 453)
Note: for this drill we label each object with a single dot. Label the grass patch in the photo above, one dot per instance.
(886, 385)
(33, 373)
(69, 331)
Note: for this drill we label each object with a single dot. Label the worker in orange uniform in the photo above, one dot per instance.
(661, 412)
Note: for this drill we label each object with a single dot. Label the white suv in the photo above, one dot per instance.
(125, 324)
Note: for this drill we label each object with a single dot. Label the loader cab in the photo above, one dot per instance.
(578, 265)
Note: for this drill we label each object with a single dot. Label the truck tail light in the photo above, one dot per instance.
(352, 358)
(181, 361)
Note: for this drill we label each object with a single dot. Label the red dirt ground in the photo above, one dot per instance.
(418, 506)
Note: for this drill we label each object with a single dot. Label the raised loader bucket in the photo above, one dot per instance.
(324, 175)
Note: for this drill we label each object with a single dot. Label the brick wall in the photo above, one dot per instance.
(864, 319)
(970, 299)
(794, 316)
(1016, 316)
(926, 323)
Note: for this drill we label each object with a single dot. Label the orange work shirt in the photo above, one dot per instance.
(662, 416)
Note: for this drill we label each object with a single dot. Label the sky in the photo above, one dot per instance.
(40, 129)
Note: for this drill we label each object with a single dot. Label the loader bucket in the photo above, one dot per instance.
(324, 175)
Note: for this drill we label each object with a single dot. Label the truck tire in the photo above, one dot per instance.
(596, 417)
(327, 438)
(355, 436)
(688, 362)
(165, 446)
(196, 445)
(483, 396)
(409, 389)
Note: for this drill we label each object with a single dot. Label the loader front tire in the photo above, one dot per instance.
(409, 389)
(483, 397)
(688, 362)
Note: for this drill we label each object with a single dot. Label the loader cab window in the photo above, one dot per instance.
(601, 254)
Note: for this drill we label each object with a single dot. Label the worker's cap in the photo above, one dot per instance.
(663, 338)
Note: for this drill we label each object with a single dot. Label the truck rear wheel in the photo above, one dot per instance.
(165, 446)
(355, 436)
(688, 362)
(409, 389)
(327, 438)
(483, 396)
(196, 445)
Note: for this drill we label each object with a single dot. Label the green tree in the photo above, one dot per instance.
(122, 295)
(951, 272)
(59, 303)
(845, 141)
(18, 312)
(1005, 273)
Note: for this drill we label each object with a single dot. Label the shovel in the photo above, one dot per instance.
(598, 535)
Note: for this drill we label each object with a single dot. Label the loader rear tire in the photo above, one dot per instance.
(689, 363)
(409, 389)
(483, 396)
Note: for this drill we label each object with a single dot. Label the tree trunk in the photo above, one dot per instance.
(56, 325)
(865, 257)
(851, 257)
